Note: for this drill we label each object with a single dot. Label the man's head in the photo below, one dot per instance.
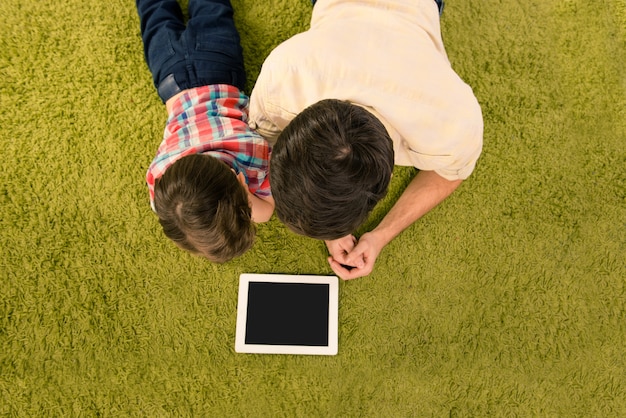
(329, 168)
(204, 209)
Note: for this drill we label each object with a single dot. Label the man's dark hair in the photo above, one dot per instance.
(329, 168)
(204, 209)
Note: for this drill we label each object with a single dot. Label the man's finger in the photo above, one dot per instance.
(344, 273)
(340, 257)
(356, 257)
(339, 269)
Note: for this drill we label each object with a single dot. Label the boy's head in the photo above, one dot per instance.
(204, 209)
(329, 168)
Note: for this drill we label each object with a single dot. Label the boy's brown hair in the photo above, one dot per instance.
(204, 209)
(329, 168)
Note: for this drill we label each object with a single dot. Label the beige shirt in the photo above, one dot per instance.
(387, 56)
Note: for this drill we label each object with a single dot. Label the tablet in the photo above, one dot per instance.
(287, 314)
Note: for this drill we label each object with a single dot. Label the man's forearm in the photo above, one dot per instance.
(425, 191)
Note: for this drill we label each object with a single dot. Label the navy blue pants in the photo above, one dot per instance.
(181, 56)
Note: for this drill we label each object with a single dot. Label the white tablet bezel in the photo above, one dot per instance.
(242, 307)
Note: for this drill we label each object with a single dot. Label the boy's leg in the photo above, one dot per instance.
(161, 27)
(214, 49)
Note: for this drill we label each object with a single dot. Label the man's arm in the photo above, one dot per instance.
(425, 191)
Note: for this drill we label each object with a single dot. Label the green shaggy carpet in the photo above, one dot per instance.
(507, 300)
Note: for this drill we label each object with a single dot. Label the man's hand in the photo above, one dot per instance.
(340, 248)
(350, 259)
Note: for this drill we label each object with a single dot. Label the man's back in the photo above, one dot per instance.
(389, 58)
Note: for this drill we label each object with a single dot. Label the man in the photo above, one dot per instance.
(368, 85)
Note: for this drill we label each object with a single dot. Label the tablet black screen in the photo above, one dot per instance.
(287, 314)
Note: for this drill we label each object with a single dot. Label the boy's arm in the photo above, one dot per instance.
(425, 191)
(262, 208)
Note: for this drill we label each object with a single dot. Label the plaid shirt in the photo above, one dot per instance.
(213, 120)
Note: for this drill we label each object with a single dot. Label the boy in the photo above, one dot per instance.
(208, 183)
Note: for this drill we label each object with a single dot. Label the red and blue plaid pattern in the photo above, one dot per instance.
(213, 120)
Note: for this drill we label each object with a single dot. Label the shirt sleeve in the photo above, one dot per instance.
(260, 119)
(264, 190)
(271, 110)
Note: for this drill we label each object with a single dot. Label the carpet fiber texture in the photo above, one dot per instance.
(509, 299)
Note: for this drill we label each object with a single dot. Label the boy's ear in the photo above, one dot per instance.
(242, 179)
